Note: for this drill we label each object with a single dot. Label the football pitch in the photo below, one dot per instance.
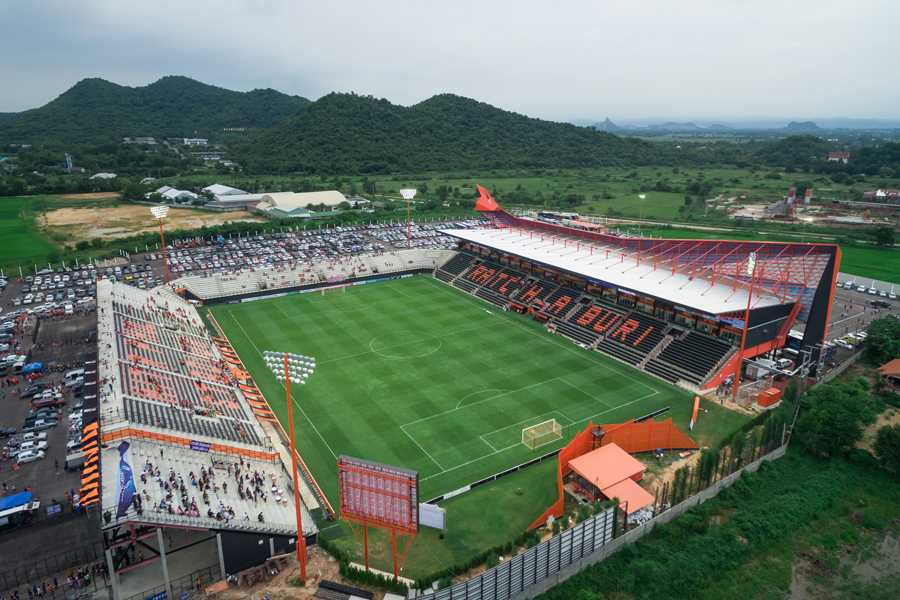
(414, 373)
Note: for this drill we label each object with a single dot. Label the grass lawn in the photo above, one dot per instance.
(22, 241)
(488, 516)
(414, 373)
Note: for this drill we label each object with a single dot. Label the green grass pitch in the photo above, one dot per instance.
(412, 372)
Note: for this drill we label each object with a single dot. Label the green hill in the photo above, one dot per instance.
(360, 134)
(98, 111)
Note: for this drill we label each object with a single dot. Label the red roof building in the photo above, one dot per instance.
(612, 472)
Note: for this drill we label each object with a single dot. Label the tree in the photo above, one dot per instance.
(883, 341)
(833, 417)
(884, 236)
(887, 447)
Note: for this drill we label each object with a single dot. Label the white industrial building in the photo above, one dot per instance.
(298, 204)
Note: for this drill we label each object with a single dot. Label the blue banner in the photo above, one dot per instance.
(199, 446)
(126, 482)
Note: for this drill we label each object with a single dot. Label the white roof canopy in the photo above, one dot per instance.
(617, 267)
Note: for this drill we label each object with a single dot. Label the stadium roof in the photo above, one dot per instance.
(616, 266)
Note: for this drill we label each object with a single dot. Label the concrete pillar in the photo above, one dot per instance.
(113, 576)
(160, 540)
(221, 554)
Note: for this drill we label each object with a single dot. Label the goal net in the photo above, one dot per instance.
(341, 289)
(542, 433)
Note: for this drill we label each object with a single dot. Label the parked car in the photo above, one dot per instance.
(32, 445)
(7, 431)
(29, 456)
(41, 425)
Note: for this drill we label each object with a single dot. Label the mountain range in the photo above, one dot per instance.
(99, 111)
(336, 133)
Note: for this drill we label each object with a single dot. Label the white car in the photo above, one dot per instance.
(34, 436)
(29, 456)
(32, 445)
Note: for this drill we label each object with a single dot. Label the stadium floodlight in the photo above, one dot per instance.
(160, 212)
(291, 368)
(408, 194)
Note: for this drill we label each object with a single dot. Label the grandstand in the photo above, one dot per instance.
(300, 275)
(173, 418)
(682, 310)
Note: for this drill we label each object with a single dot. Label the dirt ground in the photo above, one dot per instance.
(91, 196)
(889, 417)
(320, 566)
(815, 578)
(129, 219)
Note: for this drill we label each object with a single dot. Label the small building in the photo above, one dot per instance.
(143, 140)
(194, 141)
(890, 371)
(147, 180)
(290, 205)
(217, 190)
(104, 176)
(173, 195)
(358, 202)
(609, 472)
(841, 157)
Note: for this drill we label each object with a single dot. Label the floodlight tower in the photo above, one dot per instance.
(751, 272)
(408, 195)
(293, 368)
(159, 213)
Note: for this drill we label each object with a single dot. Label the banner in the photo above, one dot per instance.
(126, 482)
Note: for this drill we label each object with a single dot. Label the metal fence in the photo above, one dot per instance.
(185, 587)
(536, 564)
(37, 568)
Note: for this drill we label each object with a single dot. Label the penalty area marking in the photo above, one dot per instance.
(500, 450)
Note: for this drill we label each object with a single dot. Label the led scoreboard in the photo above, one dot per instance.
(379, 495)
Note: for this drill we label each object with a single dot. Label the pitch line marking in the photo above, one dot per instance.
(474, 460)
(398, 357)
(424, 451)
(495, 396)
(293, 400)
(578, 389)
(490, 445)
(517, 423)
(469, 395)
(400, 344)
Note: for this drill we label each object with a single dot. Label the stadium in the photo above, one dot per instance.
(496, 345)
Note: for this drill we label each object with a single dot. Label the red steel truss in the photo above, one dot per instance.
(787, 270)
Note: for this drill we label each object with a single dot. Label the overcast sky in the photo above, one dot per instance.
(715, 59)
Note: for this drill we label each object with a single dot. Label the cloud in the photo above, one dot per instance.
(559, 60)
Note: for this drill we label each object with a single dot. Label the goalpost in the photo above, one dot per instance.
(541, 434)
(342, 289)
